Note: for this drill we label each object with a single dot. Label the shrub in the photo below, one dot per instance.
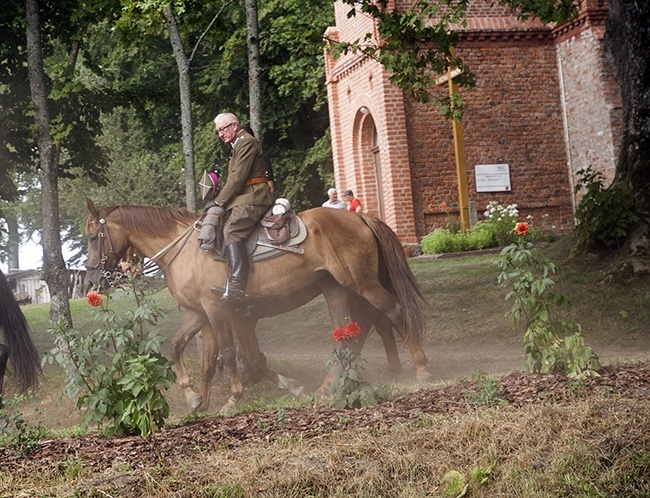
(442, 240)
(349, 390)
(502, 221)
(549, 346)
(15, 432)
(604, 214)
(117, 372)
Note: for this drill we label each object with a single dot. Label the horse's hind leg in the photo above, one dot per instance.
(387, 305)
(192, 323)
(338, 300)
(248, 342)
(384, 328)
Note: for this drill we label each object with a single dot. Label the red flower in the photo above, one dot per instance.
(443, 206)
(94, 298)
(521, 228)
(339, 335)
(351, 330)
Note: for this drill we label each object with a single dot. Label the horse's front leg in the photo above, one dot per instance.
(222, 329)
(210, 352)
(192, 323)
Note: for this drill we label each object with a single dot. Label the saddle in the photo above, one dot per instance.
(274, 235)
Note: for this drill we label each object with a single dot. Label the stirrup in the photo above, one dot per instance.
(218, 291)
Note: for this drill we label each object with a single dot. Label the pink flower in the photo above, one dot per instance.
(94, 298)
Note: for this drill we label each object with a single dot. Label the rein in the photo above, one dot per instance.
(168, 247)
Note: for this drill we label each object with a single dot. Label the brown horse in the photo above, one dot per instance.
(355, 261)
(19, 346)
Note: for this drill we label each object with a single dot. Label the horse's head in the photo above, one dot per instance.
(107, 243)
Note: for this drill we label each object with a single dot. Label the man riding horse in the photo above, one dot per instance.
(240, 205)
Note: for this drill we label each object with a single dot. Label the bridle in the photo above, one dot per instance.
(115, 275)
(112, 275)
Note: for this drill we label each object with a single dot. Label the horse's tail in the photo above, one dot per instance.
(22, 352)
(397, 278)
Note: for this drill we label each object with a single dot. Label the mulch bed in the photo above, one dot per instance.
(631, 381)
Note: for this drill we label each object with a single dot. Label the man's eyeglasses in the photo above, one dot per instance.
(224, 128)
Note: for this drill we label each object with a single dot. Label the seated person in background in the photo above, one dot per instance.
(333, 201)
(353, 203)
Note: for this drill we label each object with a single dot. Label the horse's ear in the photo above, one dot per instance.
(91, 208)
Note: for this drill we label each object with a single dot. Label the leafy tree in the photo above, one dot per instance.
(627, 38)
(53, 264)
(44, 40)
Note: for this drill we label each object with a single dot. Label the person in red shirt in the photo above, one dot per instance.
(353, 203)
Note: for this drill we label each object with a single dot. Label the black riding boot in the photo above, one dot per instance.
(235, 291)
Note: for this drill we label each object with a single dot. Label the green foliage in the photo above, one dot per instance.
(442, 240)
(416, 44)
(549, 346)
(488, 390)
(455, 484)
(502, 221)
(349, 390)
(604, 214)
(497, 229)
(117, 372)
(481, 475)
(15, 432)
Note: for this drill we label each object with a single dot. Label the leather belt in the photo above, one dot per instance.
(253, 181)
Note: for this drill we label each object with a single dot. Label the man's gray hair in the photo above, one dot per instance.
(331, 191)
(226, 116)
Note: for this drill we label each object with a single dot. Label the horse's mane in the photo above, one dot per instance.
(151, 220)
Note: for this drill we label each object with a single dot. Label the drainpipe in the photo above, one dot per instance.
(567, 137)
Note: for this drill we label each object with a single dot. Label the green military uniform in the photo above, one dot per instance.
(246, 196)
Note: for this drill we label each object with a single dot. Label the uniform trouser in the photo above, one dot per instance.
(240, 222)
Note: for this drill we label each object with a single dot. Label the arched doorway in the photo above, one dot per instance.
(369, 170)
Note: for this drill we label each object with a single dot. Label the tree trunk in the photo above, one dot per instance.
(254, 71)
(13, 241)
(183, 64)
(627, 40)
(54, 271)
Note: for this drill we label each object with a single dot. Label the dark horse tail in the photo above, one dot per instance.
(22, 352)
(397, 278)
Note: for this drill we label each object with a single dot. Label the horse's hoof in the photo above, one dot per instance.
(228, 408)
(424, 378)
(195, 402)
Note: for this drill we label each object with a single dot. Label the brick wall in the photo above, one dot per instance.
(536, 89)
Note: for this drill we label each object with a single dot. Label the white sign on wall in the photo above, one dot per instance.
(492, 177)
